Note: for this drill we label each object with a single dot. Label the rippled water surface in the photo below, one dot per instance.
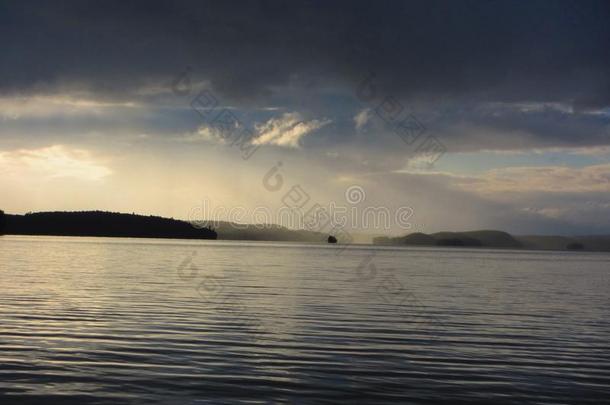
(101, 320)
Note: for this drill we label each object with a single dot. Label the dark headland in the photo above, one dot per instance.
(99, 223)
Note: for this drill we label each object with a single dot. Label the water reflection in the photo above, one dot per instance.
(107, 320)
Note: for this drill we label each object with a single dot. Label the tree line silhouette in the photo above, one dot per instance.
(100, 223)
(2, 222)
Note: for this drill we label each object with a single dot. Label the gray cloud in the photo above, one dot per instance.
(464, 66)
(490, 50)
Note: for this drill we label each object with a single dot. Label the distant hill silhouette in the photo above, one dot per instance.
(419, 238)
(487, 238)
(416, 238)
(263, 232)
(99, 223)
(472, 238)
(499, 239)
(592, 243)
(456, 239)
(575, 246)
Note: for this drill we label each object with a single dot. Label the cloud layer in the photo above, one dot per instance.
(551, 179)
(527, 80)
(498, 51)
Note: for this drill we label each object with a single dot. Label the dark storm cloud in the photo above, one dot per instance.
(482, 50)
(518, 126)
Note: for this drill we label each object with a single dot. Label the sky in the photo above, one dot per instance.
(471, 114)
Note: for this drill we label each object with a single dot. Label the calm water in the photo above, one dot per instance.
(147, 321)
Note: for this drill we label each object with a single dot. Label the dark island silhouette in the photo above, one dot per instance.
(100, 223)
(500, 240)
(331, 239)
(487, 238)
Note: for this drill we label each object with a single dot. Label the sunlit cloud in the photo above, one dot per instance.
(528, 107)
(543, 179)
(362, 118)
(286, 130)
(600, 150)
(50, 106)
(206, 133)
(56, 161)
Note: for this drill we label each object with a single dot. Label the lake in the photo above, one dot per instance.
(104, 320)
